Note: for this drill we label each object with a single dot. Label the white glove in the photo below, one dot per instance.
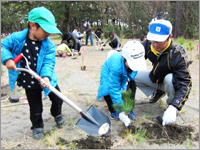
(124, 118)
(84, 32)
(169, 115)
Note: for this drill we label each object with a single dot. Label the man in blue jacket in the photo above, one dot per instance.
(40, 51)
(116, 71)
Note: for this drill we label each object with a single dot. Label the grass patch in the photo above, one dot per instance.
(71, 121)
(51, 138)
(138, 136)
(189, 142)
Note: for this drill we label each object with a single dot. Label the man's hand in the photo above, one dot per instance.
(10, 64)
(47, 82)
(124, 118)
(169, 115)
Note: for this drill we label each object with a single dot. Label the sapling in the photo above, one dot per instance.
(129, 104)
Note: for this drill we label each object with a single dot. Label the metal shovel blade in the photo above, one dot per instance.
(103, 126)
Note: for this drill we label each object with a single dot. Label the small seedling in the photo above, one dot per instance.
(140, 135)
(129, 103)
(189, 141)
(51, 138)
(128, 135)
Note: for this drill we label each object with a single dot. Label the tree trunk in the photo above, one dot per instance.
(186, 18)
(177, 28)
(66, 21)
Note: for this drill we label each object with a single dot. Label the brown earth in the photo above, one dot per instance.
(81, 87)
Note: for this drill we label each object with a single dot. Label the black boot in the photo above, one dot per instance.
(38, 133)
(59, 120)
(156, 96)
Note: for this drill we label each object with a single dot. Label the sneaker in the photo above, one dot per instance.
(59, 120)
(114, 115)
(156, 96)
(132, 115)
(38, 133)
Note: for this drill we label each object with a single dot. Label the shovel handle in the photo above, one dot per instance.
(18, 58)
(49, 86)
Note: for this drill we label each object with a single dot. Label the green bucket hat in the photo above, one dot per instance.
(45, 19)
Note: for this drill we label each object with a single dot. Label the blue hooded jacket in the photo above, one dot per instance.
(13, 45)
(114, 78)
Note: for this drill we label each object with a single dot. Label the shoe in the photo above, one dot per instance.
(132, 115)
(156, 96)
(59, 120)
(114, 115)
(38, 133)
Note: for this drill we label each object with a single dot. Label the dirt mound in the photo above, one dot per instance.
(103, 142)
(173, 133)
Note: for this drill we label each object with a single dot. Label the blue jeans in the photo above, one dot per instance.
(91, 39)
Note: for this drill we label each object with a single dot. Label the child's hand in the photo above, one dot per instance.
(47, 82)
(124, 118)
(10, 64)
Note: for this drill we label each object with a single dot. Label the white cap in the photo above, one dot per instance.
(133, 51)
(159, 30)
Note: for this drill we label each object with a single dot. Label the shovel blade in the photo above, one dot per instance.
(92, 128)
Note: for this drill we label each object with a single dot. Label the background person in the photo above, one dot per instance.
(78, 35)
(72, 41)
(87, 30)
(113, 40)
(158, 17)
(98, 33)
(143, 38)
(63, 50)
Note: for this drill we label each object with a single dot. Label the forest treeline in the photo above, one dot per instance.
(129, 19)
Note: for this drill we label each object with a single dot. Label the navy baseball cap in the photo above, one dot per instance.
(159, 30)
(159, 15)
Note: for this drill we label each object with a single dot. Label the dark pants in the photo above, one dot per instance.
(109, 103)
(34, 97)
(131, 85)
(114, 44)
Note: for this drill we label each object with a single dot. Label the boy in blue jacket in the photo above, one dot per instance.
(116, 71)
(40, 51)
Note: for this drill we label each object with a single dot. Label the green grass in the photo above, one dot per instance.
(189, 142)
(139, 136)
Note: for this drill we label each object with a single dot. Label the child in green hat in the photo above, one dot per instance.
(40, 51)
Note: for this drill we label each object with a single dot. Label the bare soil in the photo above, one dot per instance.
(81, 87)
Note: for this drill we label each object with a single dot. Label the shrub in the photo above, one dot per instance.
(181, 40)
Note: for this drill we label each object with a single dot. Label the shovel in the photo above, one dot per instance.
(94, 122)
